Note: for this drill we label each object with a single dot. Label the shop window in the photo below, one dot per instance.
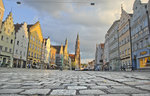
(148, 61)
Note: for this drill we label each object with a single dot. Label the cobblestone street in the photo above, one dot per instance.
(22, 82)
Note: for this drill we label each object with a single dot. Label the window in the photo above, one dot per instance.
(10, 50)
(5, 49)
(146, 40)
(141, 45)
(20, 52)
(2, 38)
(18, 43)
(11, 41)
(8, 30)
(16, 51)
(7, 39)
(0, 32)
(30, 45)
(24, 54)
(1, 47)
(137, 46)
(34, 55)
(33, 46)
(23, 36)
(29, 53)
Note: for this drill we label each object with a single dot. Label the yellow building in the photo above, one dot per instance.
(62, 58)
(35, 44)
(2, 9)
(7, 38)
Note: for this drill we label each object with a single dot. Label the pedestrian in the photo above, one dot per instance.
(124, 68)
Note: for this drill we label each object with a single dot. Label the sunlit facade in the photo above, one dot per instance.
(20, 46)
(7, 39)
(35, 44)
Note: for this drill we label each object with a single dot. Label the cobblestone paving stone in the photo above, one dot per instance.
(30, 82)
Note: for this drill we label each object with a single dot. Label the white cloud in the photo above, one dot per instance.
(67, 19)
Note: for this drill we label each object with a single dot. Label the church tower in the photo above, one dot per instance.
(77, 53)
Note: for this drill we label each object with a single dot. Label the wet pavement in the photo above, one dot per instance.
(30, 82)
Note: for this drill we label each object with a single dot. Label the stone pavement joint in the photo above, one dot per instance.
(34, 82)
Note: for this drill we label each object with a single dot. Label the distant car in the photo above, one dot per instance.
(77, 69)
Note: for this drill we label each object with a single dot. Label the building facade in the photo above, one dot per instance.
(140, 35)
(2, 10)
(72, 57)
(99, 56)
(114, 58)
(45, 60)
(77, 53)
(35, 45)
(124, 40)
(91, 65)
(7, 39)
(106, 53)
(62, 57)
(20, 45)
(53, 57)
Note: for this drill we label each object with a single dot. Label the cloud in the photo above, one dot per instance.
(61, 19)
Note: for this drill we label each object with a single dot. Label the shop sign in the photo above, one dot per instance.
(143, 53)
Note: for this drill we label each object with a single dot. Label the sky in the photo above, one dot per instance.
(61, 19)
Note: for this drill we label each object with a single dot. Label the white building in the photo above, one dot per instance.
(114, 46)
(20, 46)
(99, 56)
(140, 35)
(46, 53)
(106, 52)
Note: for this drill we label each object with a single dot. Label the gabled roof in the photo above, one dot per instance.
(2, 5)
(102, 45)
(72, 56)
(29, 26)
(58, 48)
(17, 27)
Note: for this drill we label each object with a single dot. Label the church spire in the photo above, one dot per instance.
(66, 41)
(77, 53)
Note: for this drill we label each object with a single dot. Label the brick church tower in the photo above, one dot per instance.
(77, 53)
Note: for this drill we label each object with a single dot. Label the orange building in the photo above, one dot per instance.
(53, 56)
